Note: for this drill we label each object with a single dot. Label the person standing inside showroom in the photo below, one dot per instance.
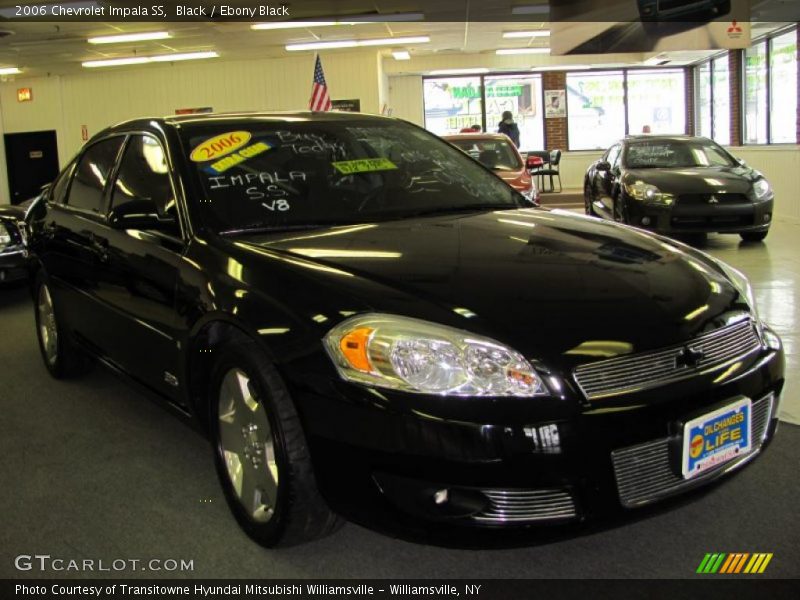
(509, 127)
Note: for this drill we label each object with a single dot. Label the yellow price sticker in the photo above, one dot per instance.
(238, 157)
(364, 165)
(220, 145)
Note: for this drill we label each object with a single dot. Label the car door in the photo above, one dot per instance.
(72, 232)
(141, 267)
(607, 181)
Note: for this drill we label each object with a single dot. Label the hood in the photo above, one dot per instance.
(697, 180)
(555, 286)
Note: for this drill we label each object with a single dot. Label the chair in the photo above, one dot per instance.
(552, 170)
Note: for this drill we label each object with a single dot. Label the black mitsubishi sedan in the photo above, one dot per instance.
(679, 185)
(342, 302)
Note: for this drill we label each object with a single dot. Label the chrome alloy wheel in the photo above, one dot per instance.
(48, 332)
(247, 446)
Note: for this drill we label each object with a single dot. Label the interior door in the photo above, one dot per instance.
(141, 268)
(32, 161)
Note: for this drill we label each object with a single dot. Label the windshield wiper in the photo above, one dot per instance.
(265, 228)
(444, 210)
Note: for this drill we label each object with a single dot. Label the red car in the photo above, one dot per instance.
(497, 152)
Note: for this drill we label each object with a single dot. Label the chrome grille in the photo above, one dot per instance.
(644, 474)
(635, 372)
(526, 506)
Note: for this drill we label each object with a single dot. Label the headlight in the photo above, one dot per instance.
(648, 193)
(762, 189)
(416, 356)
(5, 237)
(739, 281)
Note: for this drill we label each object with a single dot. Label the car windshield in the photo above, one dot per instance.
(265, 174)
(493, 154)
(675, 154)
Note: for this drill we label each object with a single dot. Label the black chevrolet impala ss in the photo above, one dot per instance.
(368, 323)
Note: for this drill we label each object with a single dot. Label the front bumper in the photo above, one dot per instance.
(408, 471)
(13, 264)
(701, 218)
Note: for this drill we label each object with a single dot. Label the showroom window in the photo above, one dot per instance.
(604, 106)
(755, 94)
(454, 103)
(770, 67)
(783, 75)
(656, 98)
(596, 109)
(712, 100)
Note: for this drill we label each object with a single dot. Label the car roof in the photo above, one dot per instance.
(662, 138)
(475, 136)
(224, 118)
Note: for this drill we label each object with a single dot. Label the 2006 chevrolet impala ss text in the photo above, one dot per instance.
(368, 323)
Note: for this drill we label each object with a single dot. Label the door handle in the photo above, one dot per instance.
(99, 246)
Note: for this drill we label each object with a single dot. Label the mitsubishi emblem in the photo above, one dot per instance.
(713, 199)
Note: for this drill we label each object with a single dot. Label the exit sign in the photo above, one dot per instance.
(24, 94)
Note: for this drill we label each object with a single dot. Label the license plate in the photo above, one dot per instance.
(716, 438)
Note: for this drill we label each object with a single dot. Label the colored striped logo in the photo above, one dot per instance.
(734, 563)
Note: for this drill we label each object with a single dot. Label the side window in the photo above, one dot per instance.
(59, 189)
(91, 174)
(143, 183)
(613, 156)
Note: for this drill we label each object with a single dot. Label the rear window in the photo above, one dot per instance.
(285, 174)
(492, 154)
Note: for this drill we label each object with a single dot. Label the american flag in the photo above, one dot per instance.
(320, 100)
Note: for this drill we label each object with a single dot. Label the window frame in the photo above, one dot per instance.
(767, 41)
(695, 70)
(114, 173)
(101, 214)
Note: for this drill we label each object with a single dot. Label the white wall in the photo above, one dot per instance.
(101, 98)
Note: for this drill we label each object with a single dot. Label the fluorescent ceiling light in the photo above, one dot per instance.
(138, 60)
(504, 51)
(130, 37)
(526, 34)
(300, 24)
(423, 39)
(9, 71)
(562, 68)
(390, 18)
(401, 54)
(531, 9)
(460, 71)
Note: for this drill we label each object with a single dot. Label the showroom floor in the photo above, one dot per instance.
(90, 469)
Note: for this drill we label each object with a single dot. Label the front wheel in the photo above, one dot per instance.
(261, 454)
(754, 236)
(587, 200)
(61, 357)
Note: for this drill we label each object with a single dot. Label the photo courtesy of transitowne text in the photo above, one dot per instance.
(372, 299)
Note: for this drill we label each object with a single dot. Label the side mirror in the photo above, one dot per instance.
(533, 162)
(140, 214)
(602, 165)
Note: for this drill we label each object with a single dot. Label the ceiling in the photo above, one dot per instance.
(41, 48)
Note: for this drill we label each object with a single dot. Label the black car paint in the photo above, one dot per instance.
(606, 196)
(540, 281)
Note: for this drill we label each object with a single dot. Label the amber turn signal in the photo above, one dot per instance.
(354, 348)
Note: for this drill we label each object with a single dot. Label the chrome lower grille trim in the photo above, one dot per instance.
(626, 374)
(644, 474)
(526, 506)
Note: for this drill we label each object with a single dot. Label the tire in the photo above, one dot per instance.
(587, 200)
(61, 356)
(754, 236)
(260, 451)
(619, 212)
